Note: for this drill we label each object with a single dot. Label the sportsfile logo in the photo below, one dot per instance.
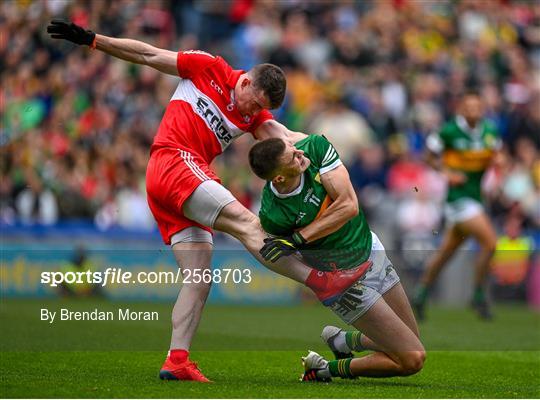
(119, 276)
(215, 122)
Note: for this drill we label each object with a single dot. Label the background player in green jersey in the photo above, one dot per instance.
(463, 150)
(310, 206)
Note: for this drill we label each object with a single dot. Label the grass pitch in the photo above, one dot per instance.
(254, 352)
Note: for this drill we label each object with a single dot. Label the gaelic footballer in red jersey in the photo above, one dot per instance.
(212, 105)
(205, 114)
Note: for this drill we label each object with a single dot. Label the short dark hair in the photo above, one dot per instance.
(471, 92)
(271, 80)
(264, 157)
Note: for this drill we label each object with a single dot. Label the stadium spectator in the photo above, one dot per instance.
(71, 119)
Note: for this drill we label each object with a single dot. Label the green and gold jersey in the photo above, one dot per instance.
(465, 150)
(282, 214)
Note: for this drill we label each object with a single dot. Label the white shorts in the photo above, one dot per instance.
(378, 280)
(462, 210)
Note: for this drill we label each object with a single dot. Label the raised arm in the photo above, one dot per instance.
(139, 52)
(130, 50)
(343, 207)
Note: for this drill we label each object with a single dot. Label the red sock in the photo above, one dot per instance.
(316, 280)
(178, 355)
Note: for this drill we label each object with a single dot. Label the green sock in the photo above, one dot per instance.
(353, 340)
(422, 293)
(341, 368)
(479, 294)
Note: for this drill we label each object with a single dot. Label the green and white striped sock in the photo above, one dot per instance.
(341, 368)
(354, 340)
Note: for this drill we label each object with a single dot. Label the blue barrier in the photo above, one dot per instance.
(28, 252)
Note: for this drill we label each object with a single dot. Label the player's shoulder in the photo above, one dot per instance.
(449, 128)
(220, 71)
(317, 139)
(312, 143)
(320, 151)
(194, 62)
(196, 52)
(197, 57)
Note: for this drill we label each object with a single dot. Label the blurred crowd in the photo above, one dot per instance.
(375, 77)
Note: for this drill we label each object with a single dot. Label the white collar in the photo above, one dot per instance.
(464, 126)
(296, 191)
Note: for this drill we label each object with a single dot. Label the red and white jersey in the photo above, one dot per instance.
(201, 116)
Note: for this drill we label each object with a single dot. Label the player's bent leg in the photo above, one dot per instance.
(380, 280)
(238, 221)
(399, 352)
(348, 341)
(397, 299)
(340, 342)
(192, 249)
(402, 353)
(482, 230)
(453, 238)
(378, 365)
(213, 205)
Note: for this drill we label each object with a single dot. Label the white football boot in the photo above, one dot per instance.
(312, 363)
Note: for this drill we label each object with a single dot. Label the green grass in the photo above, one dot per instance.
(254, 352)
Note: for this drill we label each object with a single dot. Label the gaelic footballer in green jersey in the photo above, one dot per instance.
(309, 205)
(463, 150)
(469, 151)
(283, 213)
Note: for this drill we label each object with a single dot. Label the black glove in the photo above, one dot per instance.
(59, 29)
(281, 246)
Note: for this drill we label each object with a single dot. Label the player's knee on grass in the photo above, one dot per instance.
(412, 362)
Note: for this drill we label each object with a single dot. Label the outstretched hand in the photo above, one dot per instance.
(281, 246)
(60, 29)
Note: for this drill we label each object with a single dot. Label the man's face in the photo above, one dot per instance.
(292, 163)
(248, 100)
(472, 109)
